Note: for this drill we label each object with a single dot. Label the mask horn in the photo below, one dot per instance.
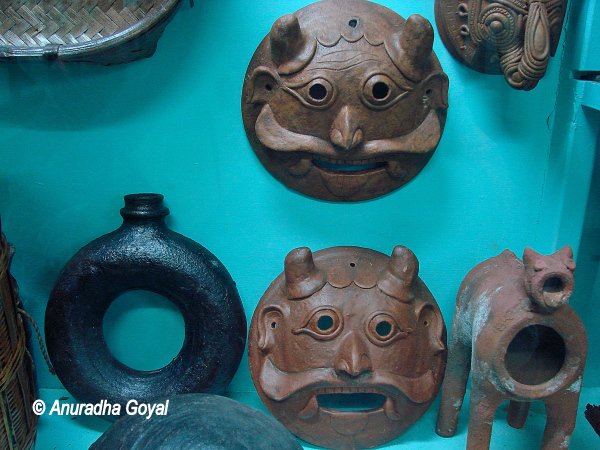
(396, 281)
(291, 48)
(302, 277)
(412, 48)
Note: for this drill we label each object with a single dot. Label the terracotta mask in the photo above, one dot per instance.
(345, 100)
(347, 349)
(511, 37)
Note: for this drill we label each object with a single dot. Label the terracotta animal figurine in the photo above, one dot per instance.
(512, 37)
(344, 100)
(347, 348)
(515, 332)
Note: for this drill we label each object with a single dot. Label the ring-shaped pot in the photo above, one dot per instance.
(144, 254)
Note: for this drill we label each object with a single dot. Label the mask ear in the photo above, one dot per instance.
(435, 88)
(264, 82)
(431, 321)
(270, 321)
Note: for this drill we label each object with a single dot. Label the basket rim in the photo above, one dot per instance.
(95, 45)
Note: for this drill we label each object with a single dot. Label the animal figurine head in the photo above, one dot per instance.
(549, 279)
(512, 37)
(347, 346)
(345, 100)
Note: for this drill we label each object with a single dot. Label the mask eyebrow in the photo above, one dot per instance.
(340, 60)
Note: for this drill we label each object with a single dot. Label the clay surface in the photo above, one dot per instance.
(511, 37)
(344, 100)
(515, 332)
(347, 348)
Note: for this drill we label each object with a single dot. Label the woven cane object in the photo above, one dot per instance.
(100, 31)
(17, 391)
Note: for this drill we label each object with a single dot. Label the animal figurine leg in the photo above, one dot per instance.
(517, 413)
(561, 410)
(455, 384)
(485, 399)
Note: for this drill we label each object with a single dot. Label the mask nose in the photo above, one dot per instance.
(345, 130)
(352, 359)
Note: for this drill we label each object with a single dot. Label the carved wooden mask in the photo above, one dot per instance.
(344, 100)
(513, 37)
(347, 349)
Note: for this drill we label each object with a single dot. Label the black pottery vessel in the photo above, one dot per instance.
(144, 254)
(198, 421)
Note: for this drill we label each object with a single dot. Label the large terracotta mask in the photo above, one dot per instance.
(511, 37)
(347, 348)
(344, 100)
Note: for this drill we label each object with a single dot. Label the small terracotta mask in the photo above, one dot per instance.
(511, 37)
(345, 100)
(347, 349)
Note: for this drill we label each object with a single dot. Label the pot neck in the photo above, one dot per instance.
(144, 208)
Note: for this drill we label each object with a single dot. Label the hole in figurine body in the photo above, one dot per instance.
(351, 401)
(352, 264)
(352, 23)
(535, 355)
(143, 330)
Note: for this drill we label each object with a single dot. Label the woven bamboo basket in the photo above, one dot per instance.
(100, 31)
(17, 388)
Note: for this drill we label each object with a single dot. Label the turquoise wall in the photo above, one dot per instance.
(76, 138)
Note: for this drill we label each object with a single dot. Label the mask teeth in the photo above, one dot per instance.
(311, 409)
(390, 411)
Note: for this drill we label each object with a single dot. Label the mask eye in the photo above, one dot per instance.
(325, 323)
(382, 329)
(380, 91)
(317, 93)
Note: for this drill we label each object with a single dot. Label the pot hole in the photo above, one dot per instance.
(143, 330)
(351, 402)
(535, 355)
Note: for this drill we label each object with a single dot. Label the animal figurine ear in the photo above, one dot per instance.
(565, 254)
(291, 47)
(264, 81)
(533, 261)
(411, 49)
(396, 281)
(269, 320)
(302, 277)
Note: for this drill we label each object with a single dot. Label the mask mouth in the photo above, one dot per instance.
(351, 401)
(349, 167)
